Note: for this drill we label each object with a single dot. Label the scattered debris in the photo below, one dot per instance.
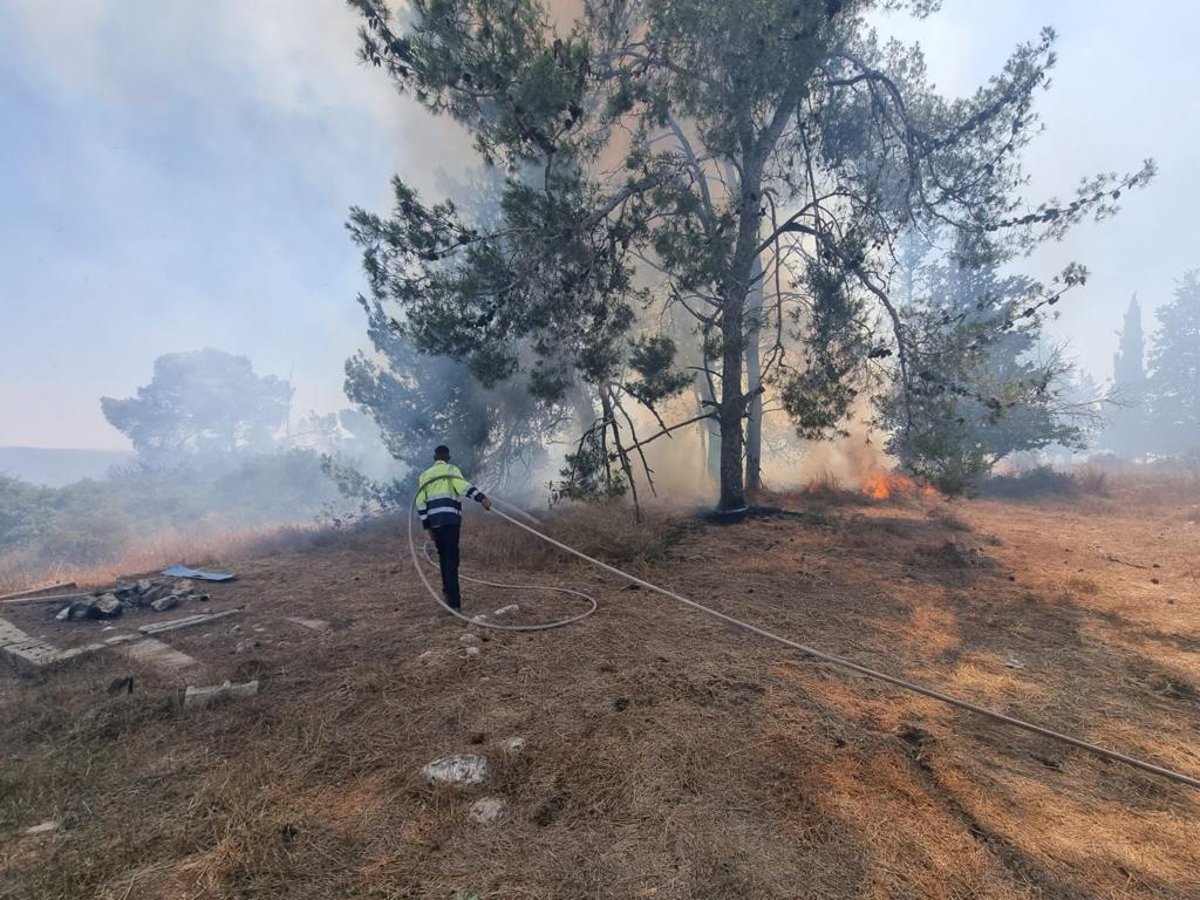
(1014, 662)
(178, 571)
(74, 611)
(506, 610)
(44, 828)
(173, 624)
(162, 604)
(487, 810)
(314, 624)
(463, 769)
(206, 696)
(109, 606)
(144, 593)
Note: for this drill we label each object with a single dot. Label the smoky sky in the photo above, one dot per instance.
(176, 176)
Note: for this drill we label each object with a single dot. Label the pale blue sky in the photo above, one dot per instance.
(176, 175)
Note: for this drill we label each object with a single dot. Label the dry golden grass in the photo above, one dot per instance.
(669, 756)
(19, 572)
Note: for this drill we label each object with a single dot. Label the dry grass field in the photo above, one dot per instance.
(667, 755)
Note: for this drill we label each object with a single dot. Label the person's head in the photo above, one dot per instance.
(441, 453)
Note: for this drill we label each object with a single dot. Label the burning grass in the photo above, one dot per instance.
(668, 756)
(889, 485)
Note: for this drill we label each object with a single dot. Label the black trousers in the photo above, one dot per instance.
(445, 538)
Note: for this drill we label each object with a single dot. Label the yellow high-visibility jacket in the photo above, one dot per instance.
(439, 499)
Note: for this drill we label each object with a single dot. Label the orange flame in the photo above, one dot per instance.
(885, 485)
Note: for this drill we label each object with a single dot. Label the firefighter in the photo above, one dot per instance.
(439, 504)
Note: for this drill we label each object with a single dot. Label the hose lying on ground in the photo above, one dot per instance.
(787, 642)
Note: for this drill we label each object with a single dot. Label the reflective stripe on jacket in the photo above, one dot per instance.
(439, 499)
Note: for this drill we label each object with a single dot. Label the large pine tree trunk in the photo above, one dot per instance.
(754, 383)
(733, 339)
(733, 489)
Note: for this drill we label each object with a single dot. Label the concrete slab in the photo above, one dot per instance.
(161, 656)
(29, 654)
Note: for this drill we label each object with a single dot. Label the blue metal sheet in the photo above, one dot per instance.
(185, 572)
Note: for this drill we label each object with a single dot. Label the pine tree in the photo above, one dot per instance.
(1127, 434)
(1174, 384)
(657, 157)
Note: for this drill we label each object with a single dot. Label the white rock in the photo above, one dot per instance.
(487, 811)
(515, 744)
(506, 610)
(464, 769)
(468, 639)
(314, 624)
(1014, 662)
(205, 696)
(472, 652)
(44, 828)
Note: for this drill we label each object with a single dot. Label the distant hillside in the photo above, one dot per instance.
(56, 467)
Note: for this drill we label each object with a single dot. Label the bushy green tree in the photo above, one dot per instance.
(984, 386)
(204, 405)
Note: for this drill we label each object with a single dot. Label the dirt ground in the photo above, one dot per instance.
(667, 755)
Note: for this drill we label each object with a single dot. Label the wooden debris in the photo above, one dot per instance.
(30, 593)
(185, 622)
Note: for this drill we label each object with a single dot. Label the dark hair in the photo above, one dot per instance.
(441, 451)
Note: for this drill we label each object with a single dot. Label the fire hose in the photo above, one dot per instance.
(804, 650)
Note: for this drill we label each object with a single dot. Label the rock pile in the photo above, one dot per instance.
(156, 594)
